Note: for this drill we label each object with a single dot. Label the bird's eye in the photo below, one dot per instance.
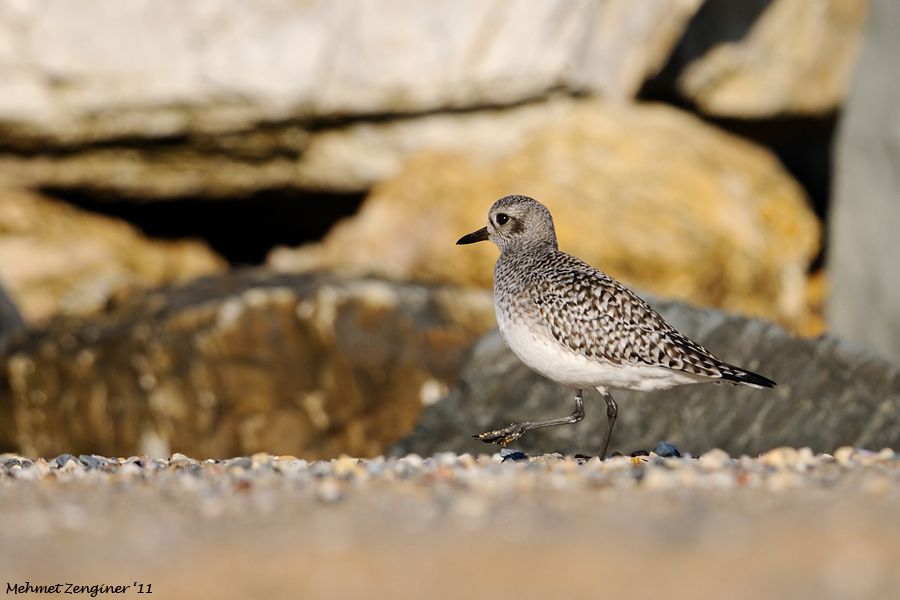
(502, 219)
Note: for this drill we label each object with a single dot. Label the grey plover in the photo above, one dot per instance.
(580, 327)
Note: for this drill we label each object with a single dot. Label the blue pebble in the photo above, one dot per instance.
(513, 455)
(666, 450)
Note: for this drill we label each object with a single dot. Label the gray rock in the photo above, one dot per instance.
(255, 82)
(240, 64)
(829, 394)
(10, 320)
(865, 290)
(94, 461)
(61, 460)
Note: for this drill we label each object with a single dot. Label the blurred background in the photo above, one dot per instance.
(228, 227)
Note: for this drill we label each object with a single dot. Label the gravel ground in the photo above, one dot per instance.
(785, 524)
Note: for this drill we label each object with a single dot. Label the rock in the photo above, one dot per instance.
(354, 157)
(59, 259)
(274, 61)
(864, 244)
(716, 222)
(95, 461)
(308, 365)
(829, 394)
(61, 460)
(666, 450)
(255, 82)
(340, 158)
(714, 459)
(797, 58)
(10, 320)
(329, 491)
(512, 455)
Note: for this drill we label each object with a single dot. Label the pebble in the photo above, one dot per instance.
(347, 467)
(71, 465)
(94, 461)
(260, 460)
(375, 466)
(242, 462)
(446, 459)
(714, 459)
(61, 460)
(512, 455)
(329, 491)
(844, 455)
(780, 469)
(666, 450)
(660, 479)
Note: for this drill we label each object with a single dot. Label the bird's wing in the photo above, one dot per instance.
(596, 316)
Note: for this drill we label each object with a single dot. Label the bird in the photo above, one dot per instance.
(579, 327)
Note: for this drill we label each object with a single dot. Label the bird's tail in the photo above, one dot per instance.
(739, 376)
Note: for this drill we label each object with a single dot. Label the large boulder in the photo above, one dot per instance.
(155, 96)
(241, 363)
(864, 304)
(56, 258)
(648, 193)
(794, 58)
(829, 394)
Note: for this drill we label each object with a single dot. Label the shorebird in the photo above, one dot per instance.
(578, 326)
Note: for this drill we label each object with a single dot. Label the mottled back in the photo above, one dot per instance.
(586, 310)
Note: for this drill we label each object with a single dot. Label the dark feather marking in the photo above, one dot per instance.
(598, 317)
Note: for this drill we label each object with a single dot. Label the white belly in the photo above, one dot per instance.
(554, 361)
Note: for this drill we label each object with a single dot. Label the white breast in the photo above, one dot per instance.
(542, 353)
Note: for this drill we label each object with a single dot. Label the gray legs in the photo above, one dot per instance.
(509, 434)
(612, 411)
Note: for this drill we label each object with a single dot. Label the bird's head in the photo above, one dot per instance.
(515, 221)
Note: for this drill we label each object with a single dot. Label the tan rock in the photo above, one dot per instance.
(313, 366)
(648, 193)
(798, 58)
(55, 258)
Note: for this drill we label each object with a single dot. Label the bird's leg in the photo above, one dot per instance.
(612, 411)
(514, 431)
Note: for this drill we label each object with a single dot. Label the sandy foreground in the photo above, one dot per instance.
(787, 524)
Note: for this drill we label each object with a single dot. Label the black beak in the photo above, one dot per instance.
(475, 236)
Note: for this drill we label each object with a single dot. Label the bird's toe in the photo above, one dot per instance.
(504, 436)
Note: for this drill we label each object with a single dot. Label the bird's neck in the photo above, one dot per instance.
(528, 252)
(531, 247)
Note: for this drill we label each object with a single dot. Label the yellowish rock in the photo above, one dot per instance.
(797, 59)
(648, 193)
(250, 364)
(55, 258)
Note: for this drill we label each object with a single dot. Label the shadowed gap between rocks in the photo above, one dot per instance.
(716, 22)
(243, 230)
(16, 143)
(803, 144)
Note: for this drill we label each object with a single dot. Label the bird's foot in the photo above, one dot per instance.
(504, 436)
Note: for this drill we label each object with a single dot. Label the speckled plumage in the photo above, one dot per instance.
(578, 326)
